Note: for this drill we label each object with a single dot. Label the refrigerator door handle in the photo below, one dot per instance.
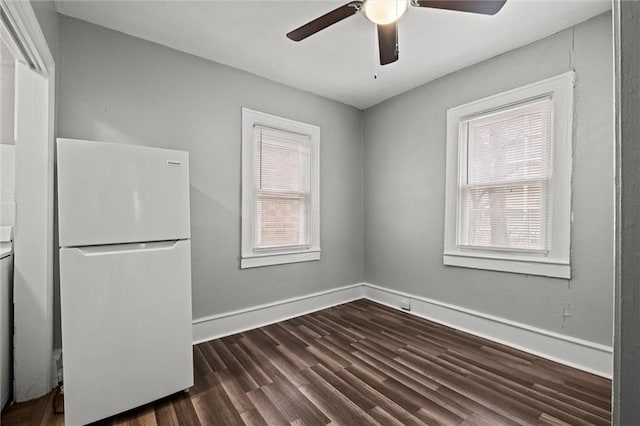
(127, 248)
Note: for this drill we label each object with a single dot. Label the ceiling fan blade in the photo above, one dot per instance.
(325, 20)
(485, 7)
(388, 43)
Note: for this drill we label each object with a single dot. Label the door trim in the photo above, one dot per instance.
(34, 369)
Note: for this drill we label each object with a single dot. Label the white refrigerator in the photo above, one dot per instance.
(125, 276)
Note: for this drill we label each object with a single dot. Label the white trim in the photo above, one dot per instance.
(251, 257)
(36, 51)
(555, 263)
(531, 266)
(33, 242)
(578, 353)
(233, 322)
(279, 259)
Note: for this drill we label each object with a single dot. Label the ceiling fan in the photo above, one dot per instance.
(385, 14)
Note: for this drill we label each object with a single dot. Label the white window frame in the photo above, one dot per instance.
(556, 261)
(251, 255)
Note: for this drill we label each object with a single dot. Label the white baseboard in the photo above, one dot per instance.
(233, 322)
(578, 353)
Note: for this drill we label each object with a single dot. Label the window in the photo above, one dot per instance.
(509, 179)
(280, 190)
(504, 181)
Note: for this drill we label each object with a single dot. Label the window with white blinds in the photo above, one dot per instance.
(508, 180)
(280, 190)
(505, 178)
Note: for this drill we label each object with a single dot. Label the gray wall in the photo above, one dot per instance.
(626, 371)
(7, 95)
(113, 87)
(404, 169)
(47, 16)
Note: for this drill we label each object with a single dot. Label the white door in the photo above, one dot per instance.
(126, 326)
(113, 193)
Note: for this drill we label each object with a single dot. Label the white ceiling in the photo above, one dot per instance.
(339, 62)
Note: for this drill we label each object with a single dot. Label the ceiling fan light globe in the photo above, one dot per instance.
(383, 12)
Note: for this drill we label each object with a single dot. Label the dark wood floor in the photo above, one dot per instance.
(363, 363)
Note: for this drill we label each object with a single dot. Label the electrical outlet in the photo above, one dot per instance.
(405, 304)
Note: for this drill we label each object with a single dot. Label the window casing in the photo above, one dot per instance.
(508, 181)
(280, 190)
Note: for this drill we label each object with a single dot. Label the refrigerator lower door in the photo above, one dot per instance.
(126, 326)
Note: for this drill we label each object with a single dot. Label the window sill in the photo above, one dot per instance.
(256, 261)
(518, 265)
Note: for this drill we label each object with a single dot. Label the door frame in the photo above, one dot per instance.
(34, 367)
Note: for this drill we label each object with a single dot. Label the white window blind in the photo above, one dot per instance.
(505, 178)
(281, 188)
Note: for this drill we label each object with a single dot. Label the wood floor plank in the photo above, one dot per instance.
(546, 419)
(266, 409)
(234, 391)
(363, 363)
(384, 418)
(165, 413)
(480, 412)
(346, 389)
(333, 404)
(400, 373)
(50, 418)
(308, 338)
(213, 359)
(580, 394)
(19, 414)
(234, 366)
(272, 361)
(588, 404)
(291, 347)
(201, 366)
(185, 411)
(40, 408)
(567, 413)
(249, 365)
(548, 403)
(253, 418)
(143, 417)
(214, 407)
(372, 389)
(328, 358)
(293, 405)
(430, 411)
(343, 355)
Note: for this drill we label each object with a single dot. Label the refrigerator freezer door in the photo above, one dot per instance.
(126, 326)
(114, 193)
